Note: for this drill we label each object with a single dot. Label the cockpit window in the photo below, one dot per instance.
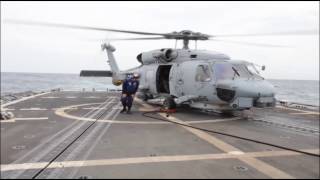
(242, 69)
(225, 70)
(252, 69)
(203, 73)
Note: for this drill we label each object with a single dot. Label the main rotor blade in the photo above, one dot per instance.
(58, 25)
(121, 39)
(302, 32)
(251, 44)
(125, 39)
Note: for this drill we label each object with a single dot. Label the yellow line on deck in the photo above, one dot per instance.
(255, 163)
(148, 159)
(306, 113)
(61, 112)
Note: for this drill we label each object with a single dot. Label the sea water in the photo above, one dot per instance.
(300, 91)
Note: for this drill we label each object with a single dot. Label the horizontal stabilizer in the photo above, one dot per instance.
(89, 73)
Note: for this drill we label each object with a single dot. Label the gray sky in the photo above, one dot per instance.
(53, 50)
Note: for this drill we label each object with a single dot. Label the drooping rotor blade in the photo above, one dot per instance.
(251, 44)
(132, 39)
(58, 25)
(302, 32)
(148, 38)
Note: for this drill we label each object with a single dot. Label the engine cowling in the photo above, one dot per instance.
(162, 55)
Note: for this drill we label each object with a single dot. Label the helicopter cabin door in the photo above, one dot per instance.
(176, 80)
(162, 81)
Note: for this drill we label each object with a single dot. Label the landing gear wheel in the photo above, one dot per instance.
(169, 103)
(144, 97)
(227, 113)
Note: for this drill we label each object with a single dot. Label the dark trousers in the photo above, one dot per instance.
(127, 101)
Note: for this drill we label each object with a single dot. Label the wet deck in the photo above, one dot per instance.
(53, 136)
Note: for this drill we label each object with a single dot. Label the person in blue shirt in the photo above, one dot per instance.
(129, 88)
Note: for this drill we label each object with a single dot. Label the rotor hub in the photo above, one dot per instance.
(187, 34)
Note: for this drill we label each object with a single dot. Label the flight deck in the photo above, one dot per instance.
(75, 134)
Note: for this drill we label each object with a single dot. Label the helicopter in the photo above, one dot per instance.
(201, 79)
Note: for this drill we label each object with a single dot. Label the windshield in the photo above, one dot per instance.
(226, 70)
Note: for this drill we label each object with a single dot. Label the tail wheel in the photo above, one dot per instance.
(169, 103)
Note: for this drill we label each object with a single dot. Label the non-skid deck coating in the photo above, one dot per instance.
(134, 146)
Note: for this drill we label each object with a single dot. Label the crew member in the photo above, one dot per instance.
(129, 89)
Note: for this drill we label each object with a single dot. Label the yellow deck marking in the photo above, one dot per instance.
(91, 108)
(148, 159)
(61, 112)
(24, 119)
(50, 97)
(146, 109)
(32, 118)
(33, 109)
(305, 113)
(7, 109)
(8, 121)
(255, 163)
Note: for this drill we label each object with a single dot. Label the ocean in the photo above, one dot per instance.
(300, 91)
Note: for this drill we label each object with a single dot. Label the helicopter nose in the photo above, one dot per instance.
(253, 93)
(255, 89)
(248, 88)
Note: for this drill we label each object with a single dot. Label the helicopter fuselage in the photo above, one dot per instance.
(201, 79)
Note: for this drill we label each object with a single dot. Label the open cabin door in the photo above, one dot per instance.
(162, 82)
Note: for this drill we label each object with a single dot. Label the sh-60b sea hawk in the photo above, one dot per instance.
(201, 79)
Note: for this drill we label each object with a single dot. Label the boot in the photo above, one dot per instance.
(129, 110)
(123, 110)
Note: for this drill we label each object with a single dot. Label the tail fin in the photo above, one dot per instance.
(117, 76)
(111, 60)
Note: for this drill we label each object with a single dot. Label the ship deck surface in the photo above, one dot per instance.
(57, 135)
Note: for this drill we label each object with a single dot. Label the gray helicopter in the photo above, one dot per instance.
(201, 79)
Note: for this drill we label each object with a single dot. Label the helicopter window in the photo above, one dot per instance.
(224, 71)
(203, 73)
(248, 71)
(231, 71)
(253, 71)
(242, 70)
